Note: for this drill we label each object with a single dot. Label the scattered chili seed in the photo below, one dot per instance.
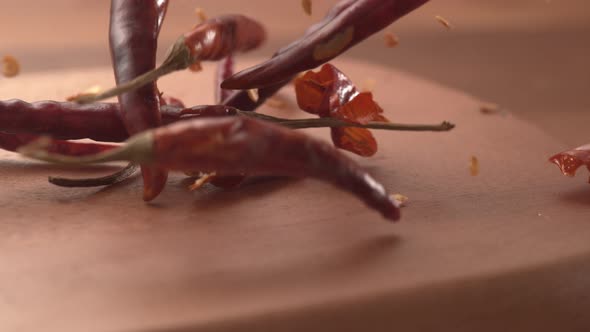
(489, 108)
(307, 6)
(391, 40)
(201, 14)
(253, 95)
(400, 199)
(91, 91)
(10, 66)
(201, 181)
(444, 22)
(474, 166)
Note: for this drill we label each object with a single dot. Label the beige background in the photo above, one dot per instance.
(530, 56)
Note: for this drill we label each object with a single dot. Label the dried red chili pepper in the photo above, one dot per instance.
(101, 122)
(347, 24)
(569, 161)
(133, 39)
(329, 93)
(12, 142)
(211, 40)
(239, 145)
(225, 69)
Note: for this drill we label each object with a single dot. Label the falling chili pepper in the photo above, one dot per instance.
(133, 39)
(329, 93)
(211, 40)
(240, 145)
(347, 24)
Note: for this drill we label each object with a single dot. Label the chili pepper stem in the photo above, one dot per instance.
(335, 123)
(179, 58)
(139, 149)
(108, 180)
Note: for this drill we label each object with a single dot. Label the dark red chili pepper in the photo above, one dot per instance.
(347, 24)
(133, 39)
(12, 142)
(63, 120)
(211, 40)
(240, 145)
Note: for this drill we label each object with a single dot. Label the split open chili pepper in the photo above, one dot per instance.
(329, 93)
(240, 145)
(133, 39)
(347, 24)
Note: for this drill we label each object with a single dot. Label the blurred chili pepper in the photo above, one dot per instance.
(347, 24)
(101, 122)
(240, 145)
(133, 39)
(12, 142)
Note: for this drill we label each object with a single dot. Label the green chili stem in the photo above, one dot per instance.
(335, 123)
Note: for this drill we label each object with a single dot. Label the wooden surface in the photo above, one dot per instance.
(505, 250)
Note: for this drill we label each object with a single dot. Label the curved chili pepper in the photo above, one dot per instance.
(240, 145)
(133, 36)
(347, 24)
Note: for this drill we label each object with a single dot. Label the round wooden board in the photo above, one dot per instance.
(507, 249)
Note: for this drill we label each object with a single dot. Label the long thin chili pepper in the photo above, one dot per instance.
(133, 39)
(347, 24)
(63, 120)
(13, 142)
(211, 40)
(239, 145)
(570, 161)
(101, 122)
(225, 69)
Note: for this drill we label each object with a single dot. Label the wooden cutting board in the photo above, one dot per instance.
(508, 249)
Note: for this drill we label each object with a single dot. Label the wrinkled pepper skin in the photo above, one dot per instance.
(347, 24)
(133, 39)
(238, 145)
